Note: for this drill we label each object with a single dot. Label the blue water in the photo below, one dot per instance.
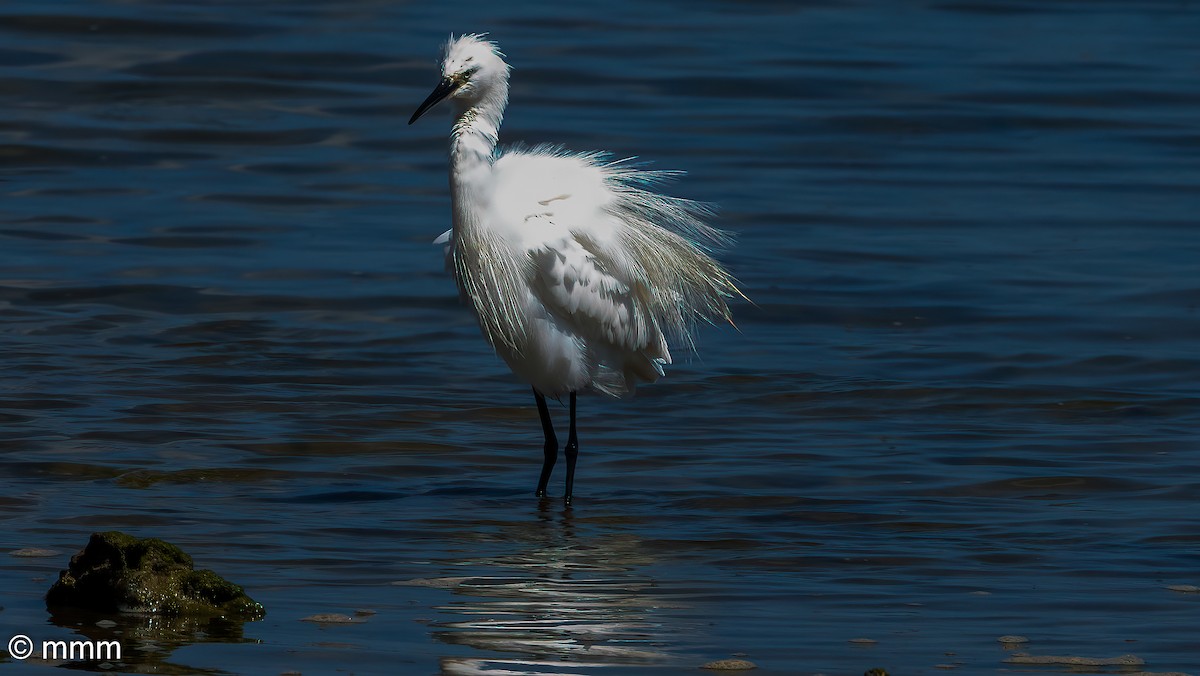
(963, 404)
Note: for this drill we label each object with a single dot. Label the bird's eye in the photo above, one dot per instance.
(469, 59)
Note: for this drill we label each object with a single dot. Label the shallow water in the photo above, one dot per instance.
(963, 405)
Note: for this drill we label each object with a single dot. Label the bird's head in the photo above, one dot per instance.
(472, 69)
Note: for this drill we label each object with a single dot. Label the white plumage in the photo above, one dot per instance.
(577, 272)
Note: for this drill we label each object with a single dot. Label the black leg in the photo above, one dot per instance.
(551, 448)
(572, 452)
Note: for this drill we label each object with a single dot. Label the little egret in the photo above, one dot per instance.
(577, 272)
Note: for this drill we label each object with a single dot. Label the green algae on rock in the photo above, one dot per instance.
(119, 572)
(730, 665)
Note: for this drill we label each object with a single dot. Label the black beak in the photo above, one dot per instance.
(445, 88)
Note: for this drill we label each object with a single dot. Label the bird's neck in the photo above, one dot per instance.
(472, 151)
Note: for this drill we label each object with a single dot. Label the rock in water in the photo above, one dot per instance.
(730, 665)
(118, 572)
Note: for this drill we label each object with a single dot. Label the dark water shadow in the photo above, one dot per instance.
(147, 641)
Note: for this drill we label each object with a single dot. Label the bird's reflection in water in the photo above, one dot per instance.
(563, 604)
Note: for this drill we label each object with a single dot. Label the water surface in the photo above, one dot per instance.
(963, 404)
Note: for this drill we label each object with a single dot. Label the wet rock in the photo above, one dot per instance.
(875, 672)
(1074, 661)
(34, 552)
(729, 665)
(119, 572)
(1012, 639)
(331, 618)
(1181, 588)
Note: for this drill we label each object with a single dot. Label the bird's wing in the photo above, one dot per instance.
(578, 289)
(555, 206)
(541, 193)
(445, 239)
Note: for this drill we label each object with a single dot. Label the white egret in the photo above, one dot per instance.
(577, 273)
